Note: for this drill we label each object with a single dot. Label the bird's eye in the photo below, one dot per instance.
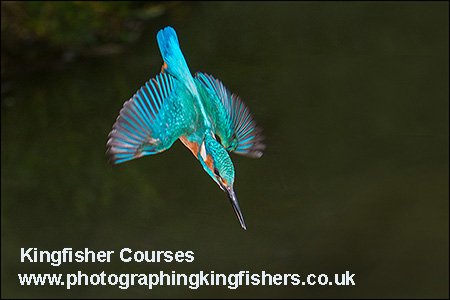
(216, 172)
(217, 138)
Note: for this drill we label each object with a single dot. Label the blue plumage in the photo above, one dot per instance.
(133, 134)
(174, 61)
(200, 111)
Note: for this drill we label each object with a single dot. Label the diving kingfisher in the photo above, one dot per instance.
(199, 110)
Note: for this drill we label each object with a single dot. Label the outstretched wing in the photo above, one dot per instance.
(151, 121)
(234, 124)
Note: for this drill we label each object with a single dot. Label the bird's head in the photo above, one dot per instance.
(217, 163)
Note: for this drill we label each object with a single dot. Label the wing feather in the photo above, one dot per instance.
(138, 130)
(232, 119)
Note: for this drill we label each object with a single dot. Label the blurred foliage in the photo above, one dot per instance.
(37, 32)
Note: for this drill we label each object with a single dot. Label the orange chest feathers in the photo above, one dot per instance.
(194, 147)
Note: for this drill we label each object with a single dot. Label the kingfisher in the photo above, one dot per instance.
(198, 110)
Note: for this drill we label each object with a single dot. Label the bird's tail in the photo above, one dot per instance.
(174, 62)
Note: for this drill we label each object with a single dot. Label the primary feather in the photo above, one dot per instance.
(150, 122)
(232, 119)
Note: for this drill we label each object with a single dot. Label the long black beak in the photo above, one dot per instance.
(236, 208)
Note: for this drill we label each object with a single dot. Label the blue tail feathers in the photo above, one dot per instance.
(167, 40)
(172, 55)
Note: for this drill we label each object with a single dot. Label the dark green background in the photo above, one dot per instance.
(353, 99)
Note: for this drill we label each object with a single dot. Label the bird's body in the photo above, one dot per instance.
(198, 110)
